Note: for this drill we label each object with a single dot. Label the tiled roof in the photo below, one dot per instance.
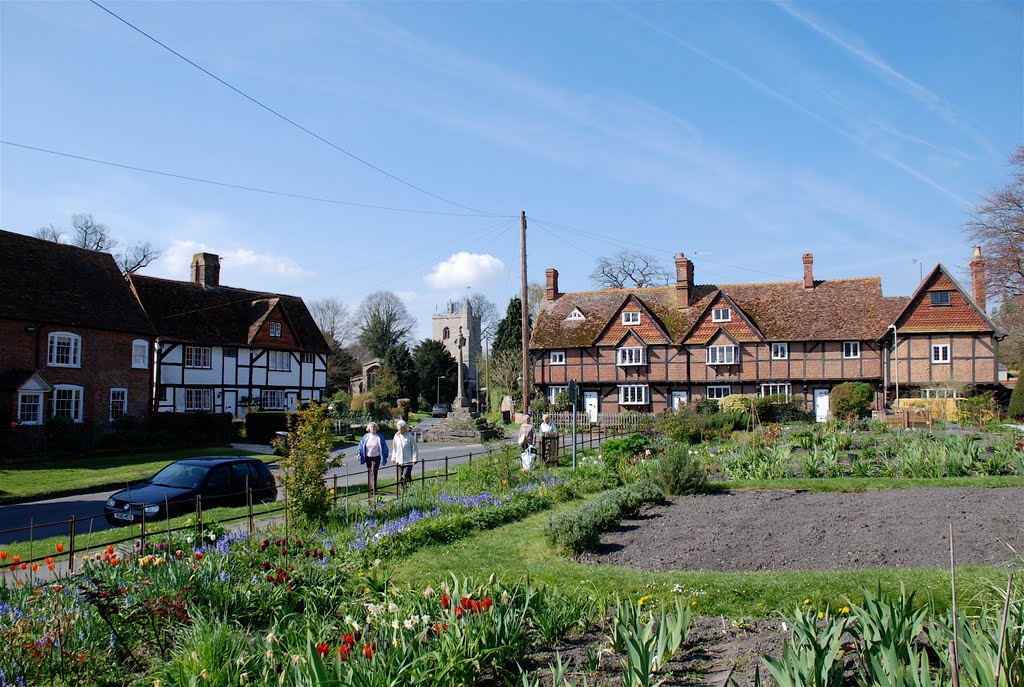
(961, 314)
(221, 315)
(834, 310)
(47, 282)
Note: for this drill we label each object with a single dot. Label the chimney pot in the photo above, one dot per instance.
(552, 290)
(206, 269)
(808, 270)
(978, 278)
(684, 282)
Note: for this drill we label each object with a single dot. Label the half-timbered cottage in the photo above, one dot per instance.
(225, 349)
(658, 347)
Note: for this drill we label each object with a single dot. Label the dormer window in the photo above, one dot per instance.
(721, 315)
(633, 355)
(275, 329)
(631, 317)
(941, 297)
(574, 315)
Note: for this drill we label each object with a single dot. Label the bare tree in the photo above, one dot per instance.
(487, 311)
(134, 258)
(90, 234)
(334, 319)
(535, 292)
(384, 322)
(997, 225)
(50, 233)
(628, 269)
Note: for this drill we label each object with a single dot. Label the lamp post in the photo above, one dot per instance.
(439, 389)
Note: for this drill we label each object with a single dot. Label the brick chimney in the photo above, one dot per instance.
(684, 282)
(978, 278)
(206, 269)
(552, 290)
(808, 270)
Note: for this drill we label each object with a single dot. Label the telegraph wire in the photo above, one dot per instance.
(226, 184)
(288, 120)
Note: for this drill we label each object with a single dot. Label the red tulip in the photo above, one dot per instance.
(199, 556)
(464, 602)
(368, 649)
(446, 601)
(323, 649)
(60, 548)
(343, 652)
(486, 603)
(349, 640)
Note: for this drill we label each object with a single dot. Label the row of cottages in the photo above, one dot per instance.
(79, 340)
(654, 348)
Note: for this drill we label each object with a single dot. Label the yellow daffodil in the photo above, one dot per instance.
(845, 610)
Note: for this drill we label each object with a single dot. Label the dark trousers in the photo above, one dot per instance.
(372, 467)
(406, 473)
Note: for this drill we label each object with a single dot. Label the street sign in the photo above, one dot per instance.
(574, 391)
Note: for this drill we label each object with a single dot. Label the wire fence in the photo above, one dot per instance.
(342, 489)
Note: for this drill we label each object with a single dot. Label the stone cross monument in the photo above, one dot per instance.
(460, 400)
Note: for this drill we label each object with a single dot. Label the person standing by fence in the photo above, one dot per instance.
(404, 451)
(372, 452)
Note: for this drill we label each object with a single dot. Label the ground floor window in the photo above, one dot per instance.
(553, 392)
(118, 403)
(272, 399)
(30, 407)
(198, 399)
(940, 393)
(717, 392)
(775, 390)
(632, 394)
(67, 402)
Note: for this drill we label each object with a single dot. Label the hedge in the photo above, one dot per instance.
(194, 429)
(261, 426)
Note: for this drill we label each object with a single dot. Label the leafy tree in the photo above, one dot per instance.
(432, 361)
(628, 269)
(400, 363)
(307, 456)
(386, 389)
(509, 334)
(851, 399)
(384, 323)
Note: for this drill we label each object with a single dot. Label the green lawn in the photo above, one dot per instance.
(519, 550)
(52, 477)
(859, 484)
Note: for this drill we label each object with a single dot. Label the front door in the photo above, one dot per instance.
(590, 404)
(821, 405)
(680, 399)
(230, 401)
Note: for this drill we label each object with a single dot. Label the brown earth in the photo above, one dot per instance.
(792, 530)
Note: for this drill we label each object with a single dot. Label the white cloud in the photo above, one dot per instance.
(406, 296)
(465, 269)
(238, 266)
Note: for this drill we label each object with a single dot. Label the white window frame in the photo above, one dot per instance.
(123, 401)
(717, 392)
(630, 355)
(940, 393)
(723, 355)
(941, 354)
(780, 351)
(23, 396)
(553, 392)
(198, 399)
(309, 357)
(76, 400)
(721, 314)
(140, 354)
(631, 317)
(851, 350)
(275, 330)
(575, 315)
(273, 399)
(198, 357)
(71, 356)
(279, 361)
(556, 358)
(633, 395)
(775, 390)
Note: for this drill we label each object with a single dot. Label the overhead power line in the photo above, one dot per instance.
(225, 184)
(287, 119)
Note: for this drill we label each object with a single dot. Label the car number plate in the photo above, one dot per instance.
(124, 516)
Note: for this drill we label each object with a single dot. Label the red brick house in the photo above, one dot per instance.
(74, 342)
(654, 348)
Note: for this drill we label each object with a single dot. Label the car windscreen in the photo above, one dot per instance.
(181, 475)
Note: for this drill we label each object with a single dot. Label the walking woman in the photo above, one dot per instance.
(373, 452)
(404, 450)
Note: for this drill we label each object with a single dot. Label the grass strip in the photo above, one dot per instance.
(518, 550)
(863, 484)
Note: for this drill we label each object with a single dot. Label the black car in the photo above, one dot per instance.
(219, 480)
(441, 410)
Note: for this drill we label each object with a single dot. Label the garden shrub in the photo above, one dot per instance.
(723, 424)
(629, 446)
(307, 456)
(851, 400)
(538, 407)
(680, 426)
(1016, 409)
(678, 473)
(261, 426)
(735, 403)
(579, 531)
(562, 402)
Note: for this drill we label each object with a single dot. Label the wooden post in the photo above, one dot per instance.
(423, 472)
(335, 490)
(446, 468)
(199, 512)
(525, 313)
(142, 527)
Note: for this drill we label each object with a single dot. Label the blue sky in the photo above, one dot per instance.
(743, 133)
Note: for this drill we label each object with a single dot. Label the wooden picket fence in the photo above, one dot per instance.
(624, 423)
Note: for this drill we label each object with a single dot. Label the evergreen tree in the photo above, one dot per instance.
(433, 361)
(399, 362)
(508, 336)
(1016, 410)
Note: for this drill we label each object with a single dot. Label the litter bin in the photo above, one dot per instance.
(549, 448)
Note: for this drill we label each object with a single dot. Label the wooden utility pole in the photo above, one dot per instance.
(526, 313)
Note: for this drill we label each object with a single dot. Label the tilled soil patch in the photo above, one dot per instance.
(755, 530)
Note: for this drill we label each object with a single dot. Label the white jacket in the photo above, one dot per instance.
(403, 449)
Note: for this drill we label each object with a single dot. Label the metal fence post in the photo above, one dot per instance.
(446, 468)
(335, 491)
(248, 499)
(199, 513)
(71, 545)
(142, 528)
(423, 472)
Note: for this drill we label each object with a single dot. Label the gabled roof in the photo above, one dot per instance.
(46, 282)
(834, 310)
(615, 331)
(962, 315)
(705, 328)
(220, 315)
